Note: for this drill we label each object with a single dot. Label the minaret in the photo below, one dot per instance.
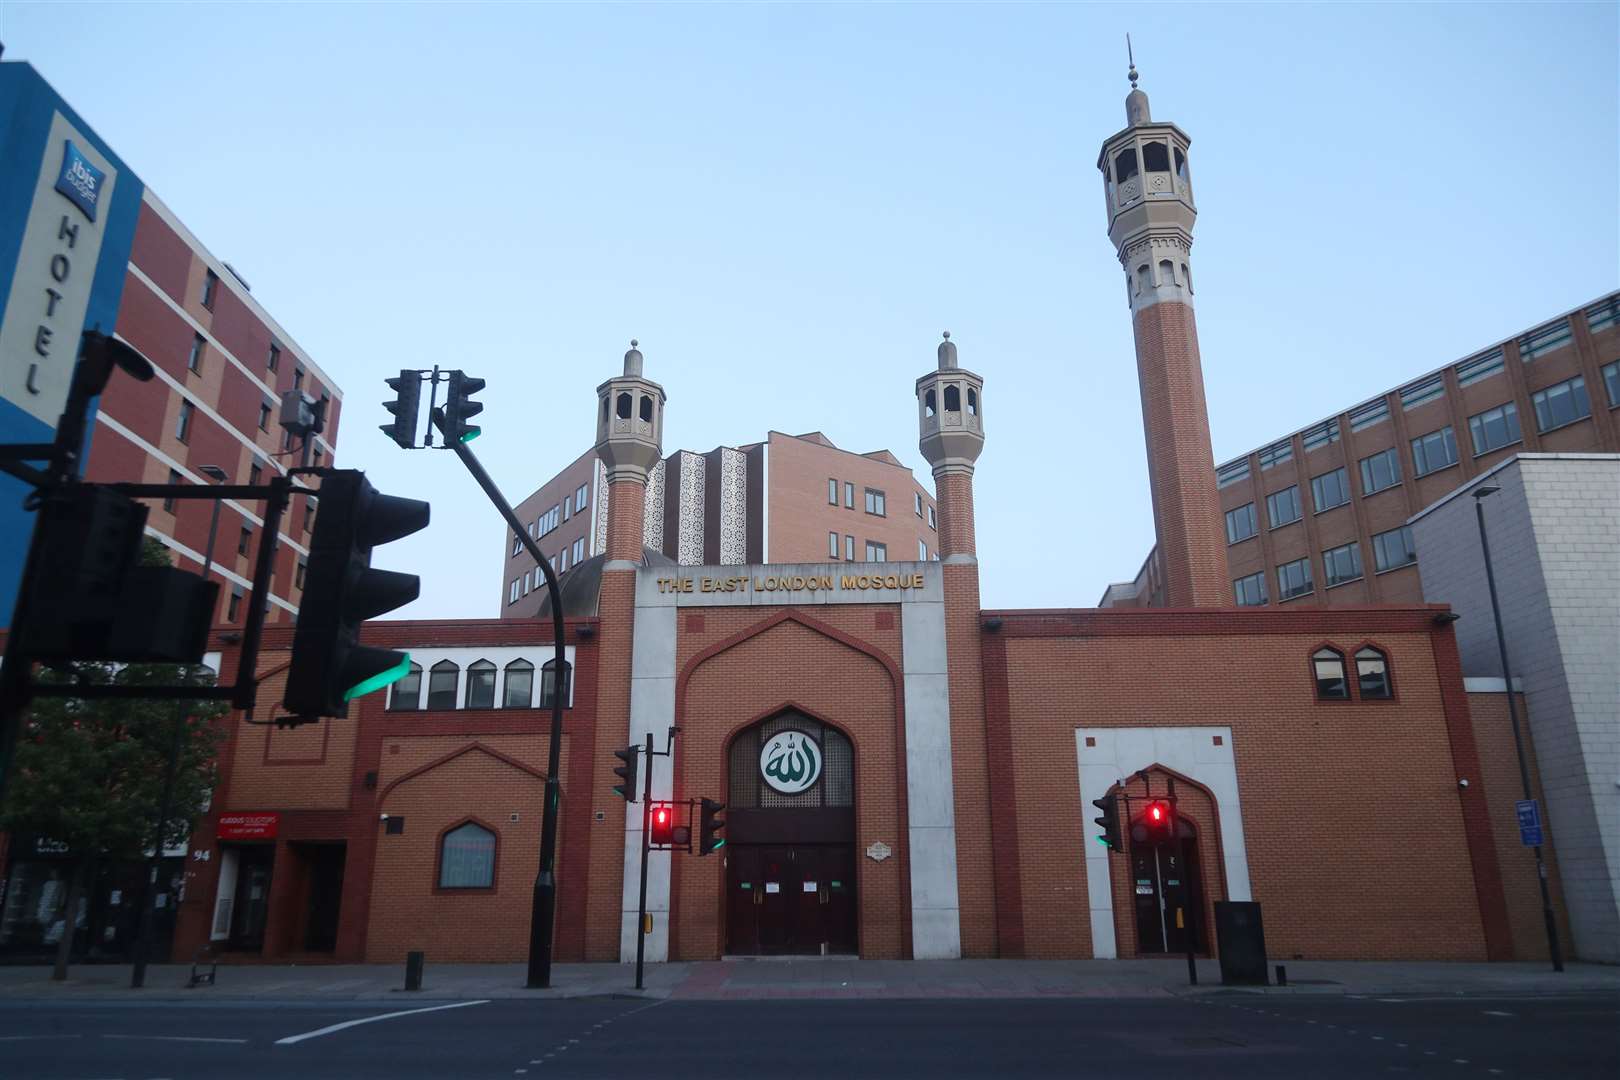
(629, 440)
(1150, 220)
(950, 417)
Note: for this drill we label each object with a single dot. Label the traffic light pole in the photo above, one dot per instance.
(646, 847)
(543, 913)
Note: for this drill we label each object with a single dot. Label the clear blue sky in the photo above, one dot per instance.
(787, 204)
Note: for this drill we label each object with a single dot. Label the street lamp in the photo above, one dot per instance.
(1480, 495)
(143, 935)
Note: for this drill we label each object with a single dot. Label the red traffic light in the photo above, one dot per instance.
(1156, 812)
(662, 818)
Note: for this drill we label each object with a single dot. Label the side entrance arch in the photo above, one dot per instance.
(790, 857)
(1167, 883)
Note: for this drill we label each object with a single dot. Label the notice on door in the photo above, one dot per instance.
(773, 886)
(809, 886)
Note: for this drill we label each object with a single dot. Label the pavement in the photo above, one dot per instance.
(803, 977)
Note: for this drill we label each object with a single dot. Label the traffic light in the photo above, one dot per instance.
(626, 772)
(663, 824)
(1108, 821)
(1160, 819)
(459, 407)
(709, 838)
(407, 396)
(341, 591)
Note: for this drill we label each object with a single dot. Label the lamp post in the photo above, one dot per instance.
(1480, 495)
(143, 935)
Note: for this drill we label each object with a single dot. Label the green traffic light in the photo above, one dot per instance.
(718, 844)
(472, 433)
(380, 680)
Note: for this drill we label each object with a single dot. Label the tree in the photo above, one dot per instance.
(89, 774)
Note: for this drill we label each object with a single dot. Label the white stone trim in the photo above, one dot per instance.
(936, 920)
(652, 710)
(539, 654)
(1478, 684)
(1189, 751)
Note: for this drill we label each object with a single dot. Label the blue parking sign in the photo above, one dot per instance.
(1529, 822)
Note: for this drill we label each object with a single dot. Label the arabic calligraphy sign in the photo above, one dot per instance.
(790, 762)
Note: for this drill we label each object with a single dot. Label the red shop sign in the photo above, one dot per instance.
(247, 826)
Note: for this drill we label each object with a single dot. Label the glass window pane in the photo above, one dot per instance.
(1330, 678)
(1372, 674)
(407, 693)
(442, 685)
(519, 684)
(481, 685)
(467, 858)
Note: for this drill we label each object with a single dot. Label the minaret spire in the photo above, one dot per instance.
(1129, 55)
(1136, 102)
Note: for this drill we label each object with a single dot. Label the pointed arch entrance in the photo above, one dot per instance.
(790, 857)
(1168, 885)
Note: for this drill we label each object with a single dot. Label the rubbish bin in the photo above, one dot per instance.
(1242, 942)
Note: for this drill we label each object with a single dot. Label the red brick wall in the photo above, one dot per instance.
(626, 511)
(801, 516)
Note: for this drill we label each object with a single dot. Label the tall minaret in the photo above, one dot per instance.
(1150, 221)
(629, 440)
(951, 421)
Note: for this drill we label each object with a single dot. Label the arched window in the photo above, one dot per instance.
(467, 858)
(1167, 272)
(1331, 685)
(480, 685)
(548, 683)
(1181, 164)
(750, 790)
(929, 407)
(406, 695)
(519, 684)
(622, 406)
(1155, 157)
(646, 409)
(953, 399)
(605, 407)
(1186, 276)
(1372, 673)
(1125, 164)
(973, 402)
(1144, 280)
(442, 685)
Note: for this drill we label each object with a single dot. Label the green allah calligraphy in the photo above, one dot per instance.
(794, 763)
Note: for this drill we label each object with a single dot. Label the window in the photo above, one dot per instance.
(245, 541)
(621, 406)
(1495, 428)
(234, 607)
(849, 496)
(567, 505)
(406, 694)
(1342, 564)
(646, 409)
(1282, 507)
(548, 684)
(1603, 314)
(1125, 164)
(849, 548)
(1323, 434)
(517, 543)
(933, 523)
(194, 361)
(1330, 490)
(582, 497)
(579, 550)
(1538, 343)
(1562, 404)
(1181, 164)
(1393, 548)
(1422, 392)
(549, 520)
(1240, 524)
(1232, 472)
(917, 497)
(1251, 590)
(1435, 451)
(832, 545)
(299, 570)
(174, 480)
(255, 474)
(512, 596)
(528, 579)
(922, 551)
(875, 503)
(1372, 674)
(274, 361)
(832, 492)
(1331, 685)
(1611, 380)
(467, 858)
(1294, 579)
(1479, 367)
(562, 561)
(1365, 416)
(519, 685)
(953, 399)
(442, 679)
(210, 287)
(1276, 454)
(182, 427)
(1155, 157)
(1379, 471)
(298, 378)
(876, 552)
(309, 512)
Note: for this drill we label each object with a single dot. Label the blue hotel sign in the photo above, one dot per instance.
(80, 180)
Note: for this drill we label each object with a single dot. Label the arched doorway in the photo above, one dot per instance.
(1166, 881)
(790, 857)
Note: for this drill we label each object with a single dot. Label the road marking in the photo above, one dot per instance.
(1459, 1061)
(317, 1033)
(175, 1038)
(1378, 1038)
(22, 1038)
(1496, 1012)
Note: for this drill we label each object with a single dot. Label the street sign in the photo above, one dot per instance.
(1529, 822)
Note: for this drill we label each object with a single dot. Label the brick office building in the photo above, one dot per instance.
(787, 498)
(906, 773)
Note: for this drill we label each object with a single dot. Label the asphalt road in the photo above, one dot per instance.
(1319, 1037)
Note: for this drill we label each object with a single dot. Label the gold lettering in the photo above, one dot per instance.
(706, 585)
(892, 581)
(825, 581)
(847, 581)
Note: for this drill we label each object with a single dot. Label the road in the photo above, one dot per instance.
(1220, 1035)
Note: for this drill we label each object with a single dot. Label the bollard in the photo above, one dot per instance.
(413, 970)
(1282, 975)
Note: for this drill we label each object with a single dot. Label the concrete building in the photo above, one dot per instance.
(120, 260)
(907, 774)
(1554, 534)
(786, 498)
(1319, 516)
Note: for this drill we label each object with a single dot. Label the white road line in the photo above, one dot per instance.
(1496, 1012)
(175, 1038)
(23, 1038)
(290, 1039)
